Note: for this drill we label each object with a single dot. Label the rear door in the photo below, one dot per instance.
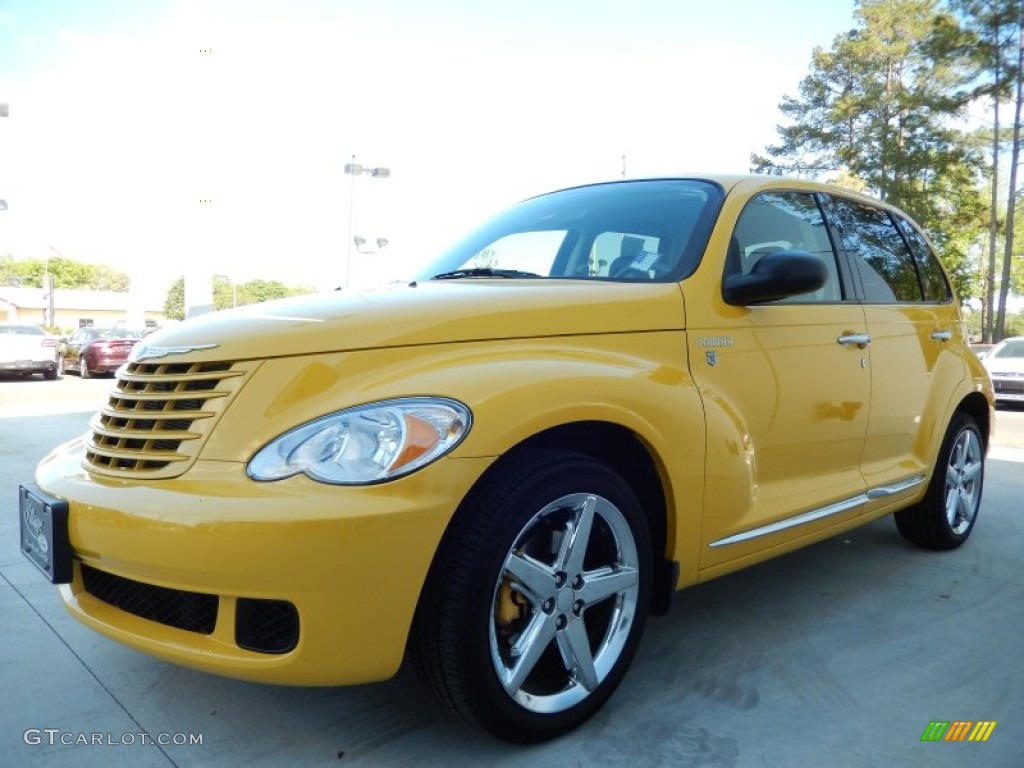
(914, 327)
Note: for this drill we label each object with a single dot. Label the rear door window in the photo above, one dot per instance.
(880, 255)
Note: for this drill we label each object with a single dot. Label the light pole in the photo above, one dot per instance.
(354, 169)
(48, 286)
(5, 111)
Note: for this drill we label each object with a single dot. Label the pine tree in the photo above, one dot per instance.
(878, 108)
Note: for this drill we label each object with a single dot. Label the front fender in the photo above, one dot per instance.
(516, 389)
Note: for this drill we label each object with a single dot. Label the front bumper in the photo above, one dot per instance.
(350, 560)
(1008, 389)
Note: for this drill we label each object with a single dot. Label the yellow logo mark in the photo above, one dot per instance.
(982, 730)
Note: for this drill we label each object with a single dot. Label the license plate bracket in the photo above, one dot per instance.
(44, 533)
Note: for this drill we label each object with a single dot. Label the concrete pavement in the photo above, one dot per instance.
(840, 654)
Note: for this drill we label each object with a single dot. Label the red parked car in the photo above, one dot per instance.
(92, 351)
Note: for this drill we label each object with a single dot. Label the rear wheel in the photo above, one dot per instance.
(537, 598)
(945, 517)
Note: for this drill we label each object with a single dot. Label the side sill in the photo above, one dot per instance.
(821, 513)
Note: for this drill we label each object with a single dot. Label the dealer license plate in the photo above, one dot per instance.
(44, 533)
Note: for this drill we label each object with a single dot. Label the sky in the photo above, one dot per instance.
(180, 136)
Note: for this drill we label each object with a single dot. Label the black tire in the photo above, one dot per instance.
(83, 368)
(50, 374)
(474, 610)
(946, 515)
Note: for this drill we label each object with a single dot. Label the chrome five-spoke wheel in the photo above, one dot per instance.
(564, 603)
(537, 596)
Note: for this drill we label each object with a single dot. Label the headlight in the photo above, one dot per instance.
(368, 444)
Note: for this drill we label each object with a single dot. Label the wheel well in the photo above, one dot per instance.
(978, 408)
(619, 448)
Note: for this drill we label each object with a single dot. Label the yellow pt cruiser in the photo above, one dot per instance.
(602, 396)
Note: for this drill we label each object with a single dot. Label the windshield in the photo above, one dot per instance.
(1010, 348)
(633, 230)
(22, 330)
(109, 334)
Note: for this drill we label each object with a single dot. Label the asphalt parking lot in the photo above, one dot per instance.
(840, 655)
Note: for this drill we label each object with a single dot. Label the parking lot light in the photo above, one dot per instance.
(354, 169)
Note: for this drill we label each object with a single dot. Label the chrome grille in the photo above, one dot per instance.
(158, 417)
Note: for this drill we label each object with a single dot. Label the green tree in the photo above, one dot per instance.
(227, 294)
(66, 273)
(105, 278)
(174, 304)
(877, 109)
(986, 39)
(267, 290)
(999, 326)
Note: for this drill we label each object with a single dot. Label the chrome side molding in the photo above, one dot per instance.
(818, 514)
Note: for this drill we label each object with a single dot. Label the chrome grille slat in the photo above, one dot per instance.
(152, 456)
(176, 377)
(144, 434)
(140, 397)
(132, 415)
(158, 416)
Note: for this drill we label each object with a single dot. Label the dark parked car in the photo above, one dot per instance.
(92, 351)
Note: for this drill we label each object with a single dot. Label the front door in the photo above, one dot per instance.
(786, 389)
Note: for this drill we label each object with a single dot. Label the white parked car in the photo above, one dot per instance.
(27, 349)
(1005, 365)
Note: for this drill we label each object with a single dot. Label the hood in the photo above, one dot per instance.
(434, 312)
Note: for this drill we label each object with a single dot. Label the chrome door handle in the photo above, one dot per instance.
(942, 335)
(860, 339)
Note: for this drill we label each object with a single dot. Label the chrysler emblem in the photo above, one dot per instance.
(142, 352)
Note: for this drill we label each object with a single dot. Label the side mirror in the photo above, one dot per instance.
(775, 276)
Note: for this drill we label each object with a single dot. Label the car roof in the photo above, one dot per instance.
(751, 183)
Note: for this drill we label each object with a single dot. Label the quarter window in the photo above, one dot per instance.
(879, 252)
(933, 279)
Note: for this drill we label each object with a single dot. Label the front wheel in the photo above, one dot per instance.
(945, 517)
(537, 597)
(83, 368)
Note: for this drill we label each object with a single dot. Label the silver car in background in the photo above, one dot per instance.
(27, 349)
(1005, 365)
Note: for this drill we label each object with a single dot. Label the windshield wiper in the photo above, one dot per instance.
(455, 274)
